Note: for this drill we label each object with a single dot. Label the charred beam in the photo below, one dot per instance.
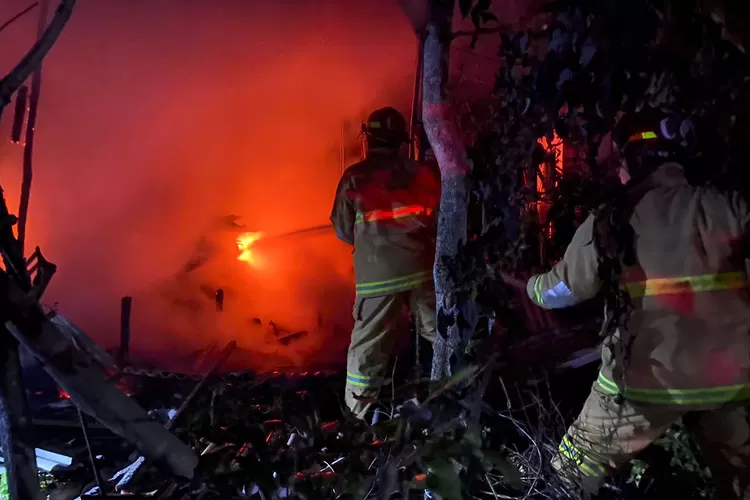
(123, 354)
(19, 116)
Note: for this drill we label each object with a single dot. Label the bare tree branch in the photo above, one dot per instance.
(480, 31)
(13, 80)
(28, 149)
(18, 16)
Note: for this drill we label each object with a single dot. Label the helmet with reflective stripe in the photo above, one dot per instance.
(650, 138)
(386, 127)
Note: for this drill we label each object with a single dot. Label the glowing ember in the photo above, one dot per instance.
(244, 244)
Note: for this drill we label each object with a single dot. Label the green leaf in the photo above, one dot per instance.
(472, 438)
(465, 7)
(510, 472)
(386, 428)
(443, 479)
(437, 448)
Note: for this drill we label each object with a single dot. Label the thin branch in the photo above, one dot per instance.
(480, 31)
(13, 80)
(18, 16)
(28, 149)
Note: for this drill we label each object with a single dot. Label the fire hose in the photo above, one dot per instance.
(298, 232)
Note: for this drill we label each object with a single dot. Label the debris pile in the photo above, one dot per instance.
(287, 437)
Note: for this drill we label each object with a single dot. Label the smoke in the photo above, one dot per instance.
(158, 116)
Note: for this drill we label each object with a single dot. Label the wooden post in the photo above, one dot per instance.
(22, 97)
(126, 307)
(220, 300)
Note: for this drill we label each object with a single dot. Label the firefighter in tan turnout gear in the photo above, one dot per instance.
(386, 207)
(684, 353)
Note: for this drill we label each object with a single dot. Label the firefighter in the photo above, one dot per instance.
(678, 346)
(386, 207)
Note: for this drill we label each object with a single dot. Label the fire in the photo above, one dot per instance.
(245, 242)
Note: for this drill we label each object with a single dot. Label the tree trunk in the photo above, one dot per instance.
(16, 433)
(456, 312)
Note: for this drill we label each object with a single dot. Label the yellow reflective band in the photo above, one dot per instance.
(393, 285)
(362, 381)
(393, 213)
(374, 124)
(687, 284)
(538, 290)
(586, 464)
(643, 136)
(705, 396)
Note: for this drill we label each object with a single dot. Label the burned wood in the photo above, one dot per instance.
(203, 356)
(126, 307)
(83, 342)
(222, 358)
(220, 300)
(88, 387)
(131, 472)
(20, 114)
(286, 339)
(41, 271)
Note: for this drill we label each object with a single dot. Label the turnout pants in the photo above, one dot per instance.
(609, 432)
(377, 322)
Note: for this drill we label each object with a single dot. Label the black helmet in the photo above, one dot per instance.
(386, 127)
(650, 138)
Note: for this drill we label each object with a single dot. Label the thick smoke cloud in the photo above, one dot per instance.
(157, 116)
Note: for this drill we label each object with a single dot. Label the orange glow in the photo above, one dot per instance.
(233, 108)
(254, 128)
(244, 245)
(547, 179)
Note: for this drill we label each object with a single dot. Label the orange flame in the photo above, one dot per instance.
(245, 242)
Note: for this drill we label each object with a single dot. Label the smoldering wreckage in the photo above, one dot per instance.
(207, 433)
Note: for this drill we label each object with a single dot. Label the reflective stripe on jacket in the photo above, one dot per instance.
(386, 207)
(688, 338)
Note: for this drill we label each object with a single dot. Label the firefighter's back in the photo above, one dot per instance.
(394, 234)
(691, 318)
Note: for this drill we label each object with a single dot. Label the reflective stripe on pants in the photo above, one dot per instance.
(377, 322)
(609, 432)
(691, 397)
(394, 285)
